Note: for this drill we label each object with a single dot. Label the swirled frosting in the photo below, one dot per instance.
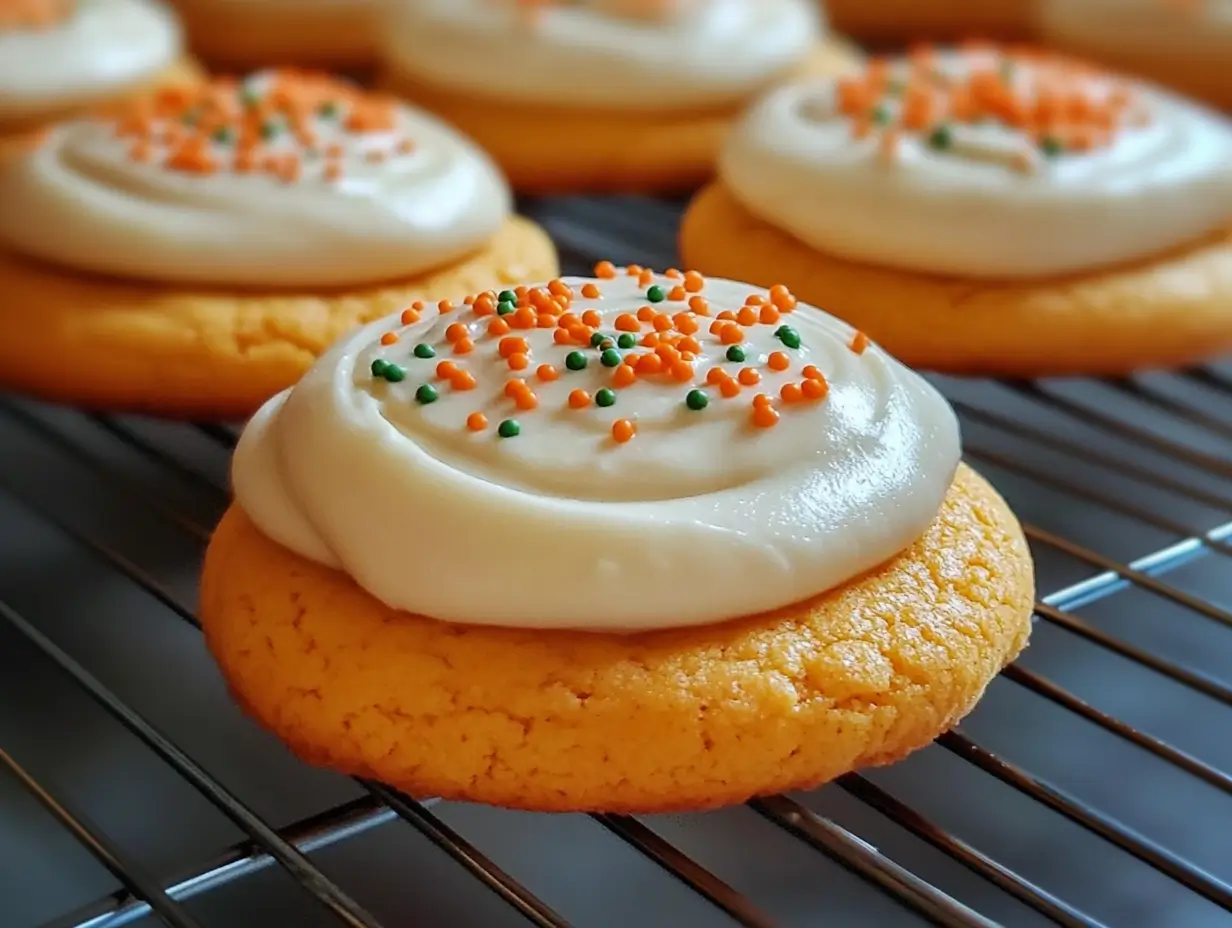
(640, 54)
(631, 452)
(60, 53)
(284, 179)
(983, 163)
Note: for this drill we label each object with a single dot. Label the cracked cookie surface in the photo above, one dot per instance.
(1163, 312)
(112, 344)
(672, 720)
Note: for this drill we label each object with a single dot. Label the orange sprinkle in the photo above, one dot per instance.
(579, 399)
(717, 375)
(693, 281)
(605, 270)
(646, 314)
(634, 270)
(590, 291)
(410, 316)
(498, 326)
(749, 377)
(515, 386)
(649, 364)
(649, 340)
(729, 388)
(699, 305)
(592, 319)
(524, 318)
(689, 345)
(812, 373)
(668, 353)
(446, 369)
(778, 361)
(540, 299)
(512, 345)
(761, 399)
(518, 361)
(768, 315)
(747, 315)
(645, 279)
(444, 306)
(562, 337)
(672, 273)
(545, 321)
(418, 305)
(782, 299)
(754, 299)
(682, 371)
(859, 344)
(731, 334)
(625, 375)
(662, 322)
(389, 338)
(765, 417)
(558, 287)
(677, 293)
(791, 393)
(463, 346)
(685, 323)
(726, 316)
(476, 422)
(455, 331)
(546, 373)
(462, 380)
(815, 389)
(623, 430)
(627, 322)
(484, 305)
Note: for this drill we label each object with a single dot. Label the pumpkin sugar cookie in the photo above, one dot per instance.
(986, 211)
(1183, 44)
(193, 253)
(61, 57)
(726, 546)
(245, 34)
(573, 96)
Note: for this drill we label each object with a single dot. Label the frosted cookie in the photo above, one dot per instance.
(916, 20)
(192, 253)
(251, 33)
(1185, 44)
(60, 57)
(985, 211)
(680, 542)
(601, 95)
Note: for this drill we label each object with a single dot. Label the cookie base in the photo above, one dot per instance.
(117, 345)
(1166, 312)
(898, 21)
(556, 150)
(664, 721)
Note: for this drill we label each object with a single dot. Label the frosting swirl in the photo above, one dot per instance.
(983, 163)
(631, 452)
(285, 179)
(626, 54)
(61, 53)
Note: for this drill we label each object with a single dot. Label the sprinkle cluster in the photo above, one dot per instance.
(1047, 105)
(662, 344)
(33, 15)
(276, 122)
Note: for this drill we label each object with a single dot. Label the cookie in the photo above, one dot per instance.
(897, 21)
(659, 626)
(578, 100)
(986, 243)
(1182, 45)
(240, 248)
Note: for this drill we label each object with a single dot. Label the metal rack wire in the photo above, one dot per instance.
(1124, 490)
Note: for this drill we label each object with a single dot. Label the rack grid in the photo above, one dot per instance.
(1092, 787)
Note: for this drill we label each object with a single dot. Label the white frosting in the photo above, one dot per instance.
(1196, 30)
(699, 53)
(700, 517)
(796, 163)
(83, 201)
(102, 46)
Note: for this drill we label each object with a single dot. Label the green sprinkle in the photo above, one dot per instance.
(269, 129)
(788, 336)
(507, 296)
(509, 428)
(597, 339)
(656, 294)
(1051, 146)
(626, 341)
(605, 397)
(575, 361)
(880, 114)
(222, 135)
(328, 109)
(378, 367)
(941, 138)
(394, 374)
(426, 394)
(250, 97)
(504, 308)
(423, 350)
(735, 353)
(610, 358)
(697, 400)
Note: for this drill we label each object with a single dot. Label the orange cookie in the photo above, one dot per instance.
(691, 541)
(982, 212)
(640, 107)
(930, 20)
(205, 245)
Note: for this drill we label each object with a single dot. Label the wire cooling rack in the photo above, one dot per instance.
(1093, 785)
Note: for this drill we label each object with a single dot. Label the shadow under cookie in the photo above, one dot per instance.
(1168, 311)
(671, 720)
(556, 150)
(104, 343)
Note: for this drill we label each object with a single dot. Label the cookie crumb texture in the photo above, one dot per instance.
(1163, 312)
(109, 344)
(673, 720)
